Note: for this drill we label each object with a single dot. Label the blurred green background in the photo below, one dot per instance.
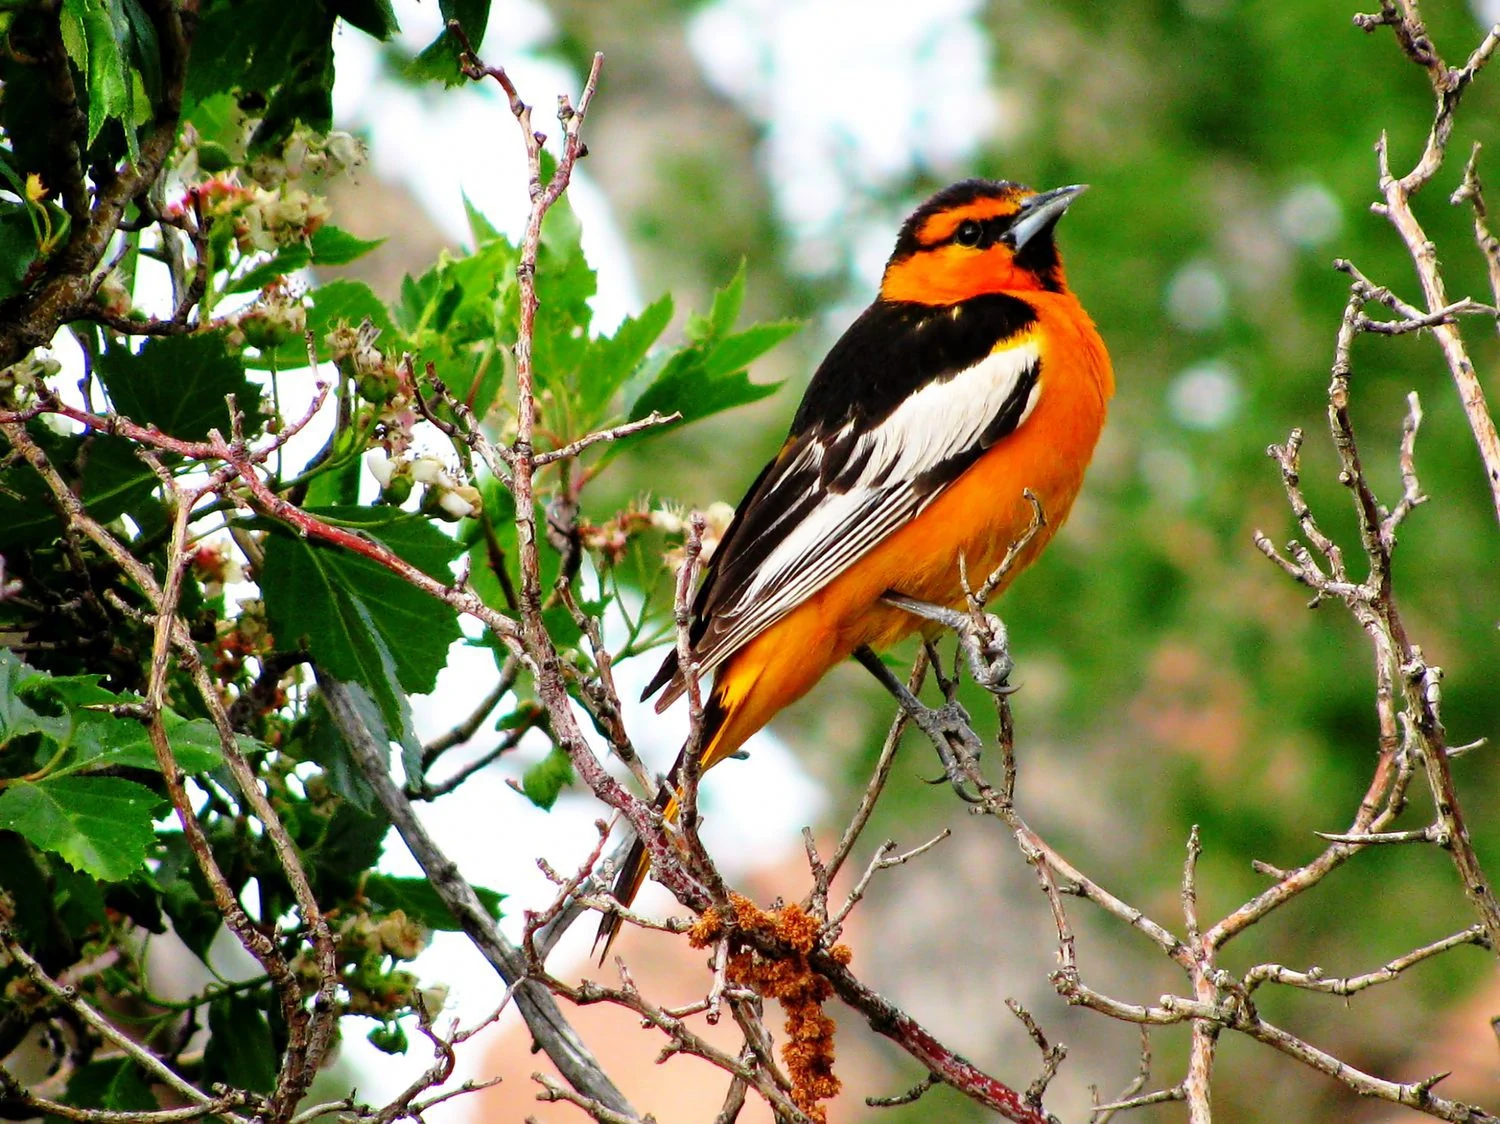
(1170, 675)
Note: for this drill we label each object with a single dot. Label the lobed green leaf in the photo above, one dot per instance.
(419, 901)
(99, 825)
(179, 384)
(361, 623)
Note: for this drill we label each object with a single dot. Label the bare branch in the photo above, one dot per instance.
(543, 1017)
(1314, 980)
(566, 452)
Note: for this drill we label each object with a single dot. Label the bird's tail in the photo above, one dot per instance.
(717, 730)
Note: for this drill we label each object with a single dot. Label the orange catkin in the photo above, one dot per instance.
(808, 1051)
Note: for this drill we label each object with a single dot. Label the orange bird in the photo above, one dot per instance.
(975, 376)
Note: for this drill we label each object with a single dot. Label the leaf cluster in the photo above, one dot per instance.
(95, 860)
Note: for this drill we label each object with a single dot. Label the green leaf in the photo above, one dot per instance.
(102, 742)
(709, 375)
(244, 45)
(322, 742)
(419, 901)
(178, 384)
(684, 388)
(480, 228)
(18, 247)
(240, 1051)
(109, 84)
(23, 878)
(384, 731)
(77, 898)
(16, 717)
(305, 96)
(351, 842)
(543, 781)
(96, 739)
(139, 900)
(564, 284)
(439, 59)
(186, 898)
(332, 245)
(725, 310)
(69, 690)
(612, 360)
(361, 623)
(270, 51)
(339, 485)
(374, 17)
(74, 34)
(116, 1086)
(461, 315)
(99, 825)
(329, 245)
(145, 53)
(413, 537)
(734, 353)
(219, 121)
(114, 480)
(472, 15)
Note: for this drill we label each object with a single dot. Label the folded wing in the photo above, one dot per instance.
(878, 438)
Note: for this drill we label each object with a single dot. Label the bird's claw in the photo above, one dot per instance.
(982, 636)
(987, 646)
(949, 729)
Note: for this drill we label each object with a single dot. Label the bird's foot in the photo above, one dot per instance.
(982, 637)
(951, 732)
(948, 727)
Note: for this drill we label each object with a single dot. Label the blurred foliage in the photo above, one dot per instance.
(1170, 675)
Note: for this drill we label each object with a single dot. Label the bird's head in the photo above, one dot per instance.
(975, 237)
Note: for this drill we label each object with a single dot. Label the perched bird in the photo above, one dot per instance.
(974, 377)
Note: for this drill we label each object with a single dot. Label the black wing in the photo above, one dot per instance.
(908, 398)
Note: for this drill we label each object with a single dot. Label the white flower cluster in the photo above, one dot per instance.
(672, 521)
(445, 494)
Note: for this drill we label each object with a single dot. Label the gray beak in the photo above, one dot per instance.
(1039, 213)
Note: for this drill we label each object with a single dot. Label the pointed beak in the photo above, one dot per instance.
(1040, 212)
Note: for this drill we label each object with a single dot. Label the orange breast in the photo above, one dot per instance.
(984, 511)
(979, 516)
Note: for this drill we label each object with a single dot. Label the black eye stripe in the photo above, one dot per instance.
(981, 234)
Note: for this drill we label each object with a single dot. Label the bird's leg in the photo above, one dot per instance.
(981, 636)
(947, 727)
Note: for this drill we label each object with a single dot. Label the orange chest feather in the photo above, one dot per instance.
(984, 511)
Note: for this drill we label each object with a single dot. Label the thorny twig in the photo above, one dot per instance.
(1448, 84)
(148, 1061)
(1411, 733)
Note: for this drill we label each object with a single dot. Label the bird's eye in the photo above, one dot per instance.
(968, 233)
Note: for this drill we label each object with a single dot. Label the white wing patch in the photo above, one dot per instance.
(944, 420)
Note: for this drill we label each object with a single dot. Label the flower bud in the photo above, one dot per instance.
(380, 465)
(428, 470)
(455, 504)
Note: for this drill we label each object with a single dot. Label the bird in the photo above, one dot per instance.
(974, 378)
